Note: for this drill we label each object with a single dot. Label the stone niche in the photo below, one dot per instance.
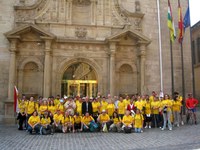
(81, 11)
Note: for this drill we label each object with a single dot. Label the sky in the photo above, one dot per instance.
(194, 11)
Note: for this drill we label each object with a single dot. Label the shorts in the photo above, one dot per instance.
(193, 110)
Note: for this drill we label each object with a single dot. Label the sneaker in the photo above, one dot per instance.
(170, 129)
(149, 127)
(145, 127)
(182, 123)
(177, 125)
(141, 131)
(162, 129)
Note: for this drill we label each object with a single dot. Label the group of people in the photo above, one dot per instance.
(106, 114)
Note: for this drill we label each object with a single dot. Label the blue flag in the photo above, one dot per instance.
(186, 20)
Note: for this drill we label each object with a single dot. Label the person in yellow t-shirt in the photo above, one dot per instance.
(52, 110)
(60, 106)
(57, 100)
(86, 122)
(45, 123)
(148, 116)
(79, 105)
(116, 122)
(43, 107)
(126, 101)
(176, 107)
(103, 119)
(155, 106)
(139, 104)
(104, 104)
(30, 108)
(138, 121)
(152, 97)
(68, 123)
(127, 120)
(166, 106)
(77, 121)
(21, 115)
(180, 98)
(110, 108)
(57, 124)
(121, 108)
(96, 108)
(34, 123)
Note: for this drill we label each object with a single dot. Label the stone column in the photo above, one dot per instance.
(69, 11)
(47, 68)
(93, 12)
(12, 69)
(142, 55)
(112, 68)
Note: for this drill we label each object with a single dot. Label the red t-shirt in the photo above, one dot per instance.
(191, 103)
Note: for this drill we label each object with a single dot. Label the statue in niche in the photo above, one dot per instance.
(137, 6)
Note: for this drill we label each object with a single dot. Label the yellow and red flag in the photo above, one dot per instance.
(170, 23)
(180, 23)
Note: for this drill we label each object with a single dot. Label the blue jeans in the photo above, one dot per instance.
(166, 117)
(36, 128)
(137, 130)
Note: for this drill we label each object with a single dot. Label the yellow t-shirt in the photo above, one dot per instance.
(127, 120)
(168, 103)
(110, 109)
(151, 98)
(79, 107)
(58, 118)
(22, 107)
(103, 105)
(61, 108)
(121, 108)
(116, 120)
(77, 119)
(87, 120)
(42, 109)
(52, 109)
(126, 102)
(138, 120)
(103, 118)
(56, 102)
(155, 105)
(45, 121)
(176, 106)
(30, 107)
(148, 108)
(95, 106)
(34, 120)
(139, 105)
(68, 119)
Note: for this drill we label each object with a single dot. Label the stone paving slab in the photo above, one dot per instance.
(184, 138)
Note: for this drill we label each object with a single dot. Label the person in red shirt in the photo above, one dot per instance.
(191, 104)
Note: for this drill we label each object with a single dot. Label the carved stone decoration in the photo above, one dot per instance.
(137, 6)
(81, 2)
(80, 32)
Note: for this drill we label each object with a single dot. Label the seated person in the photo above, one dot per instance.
(77, 122)
(68, 123)
(127, 120)
(103, 119)
(116, 122)
(45, 123)
(57, 124)
(87, 123)
(34, 123)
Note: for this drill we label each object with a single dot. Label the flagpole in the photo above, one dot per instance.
(172, 67)
(160, 46)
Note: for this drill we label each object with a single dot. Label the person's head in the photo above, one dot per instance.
(86, 99)
(76, 114)
(143, 97)
(103, 112)
(35, 113)
(156, 98)
(127, 97)
(147, 96)
(115, 114)
(120, 99)
(58, 97)
(46, 114)
(176, 98)
(52, 103)
(44, 101)
(40, 98)
(127, 113)
(137, 111)
(66, 114)
(31, 98)
(153, 93)
(138, 98)
(131, 101)
(58, 112)
(87, 114)
(110, 101)
(23, 97)
(166, 96)
(189, 95)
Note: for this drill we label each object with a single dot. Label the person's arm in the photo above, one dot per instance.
(187, 104)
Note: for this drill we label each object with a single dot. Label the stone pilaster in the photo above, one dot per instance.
(47, 68)
(93, 11)
(69, 11)
(142, 55)
(112, 68)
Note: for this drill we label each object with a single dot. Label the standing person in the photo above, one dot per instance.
(126, 101)
(148, 116)
(121, 108)
(110, 108)
(155, 106)
(96, 108)
(34, 123)
(191, 104)
(52, 110)
(131, 106)
(103, 103)
(87, 106)
(45, 124)
(30, 108)
(180, 98)
(79, 105)
(116, 101)
(138, 121)
(152, 97)
(21, 115)
(176, 107)
(166, 106)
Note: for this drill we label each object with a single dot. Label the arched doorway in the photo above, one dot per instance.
(79, 79)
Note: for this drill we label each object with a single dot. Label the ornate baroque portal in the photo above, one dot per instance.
(77, 47)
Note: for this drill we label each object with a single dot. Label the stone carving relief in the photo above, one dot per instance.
(80, 32)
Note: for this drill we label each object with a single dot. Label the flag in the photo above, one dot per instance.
(170, 23)
(187, 18)
(180, 24)
(16, 109)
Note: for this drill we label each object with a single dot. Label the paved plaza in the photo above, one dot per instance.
(185, 137)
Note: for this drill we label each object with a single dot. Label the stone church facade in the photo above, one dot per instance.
(82, 47)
